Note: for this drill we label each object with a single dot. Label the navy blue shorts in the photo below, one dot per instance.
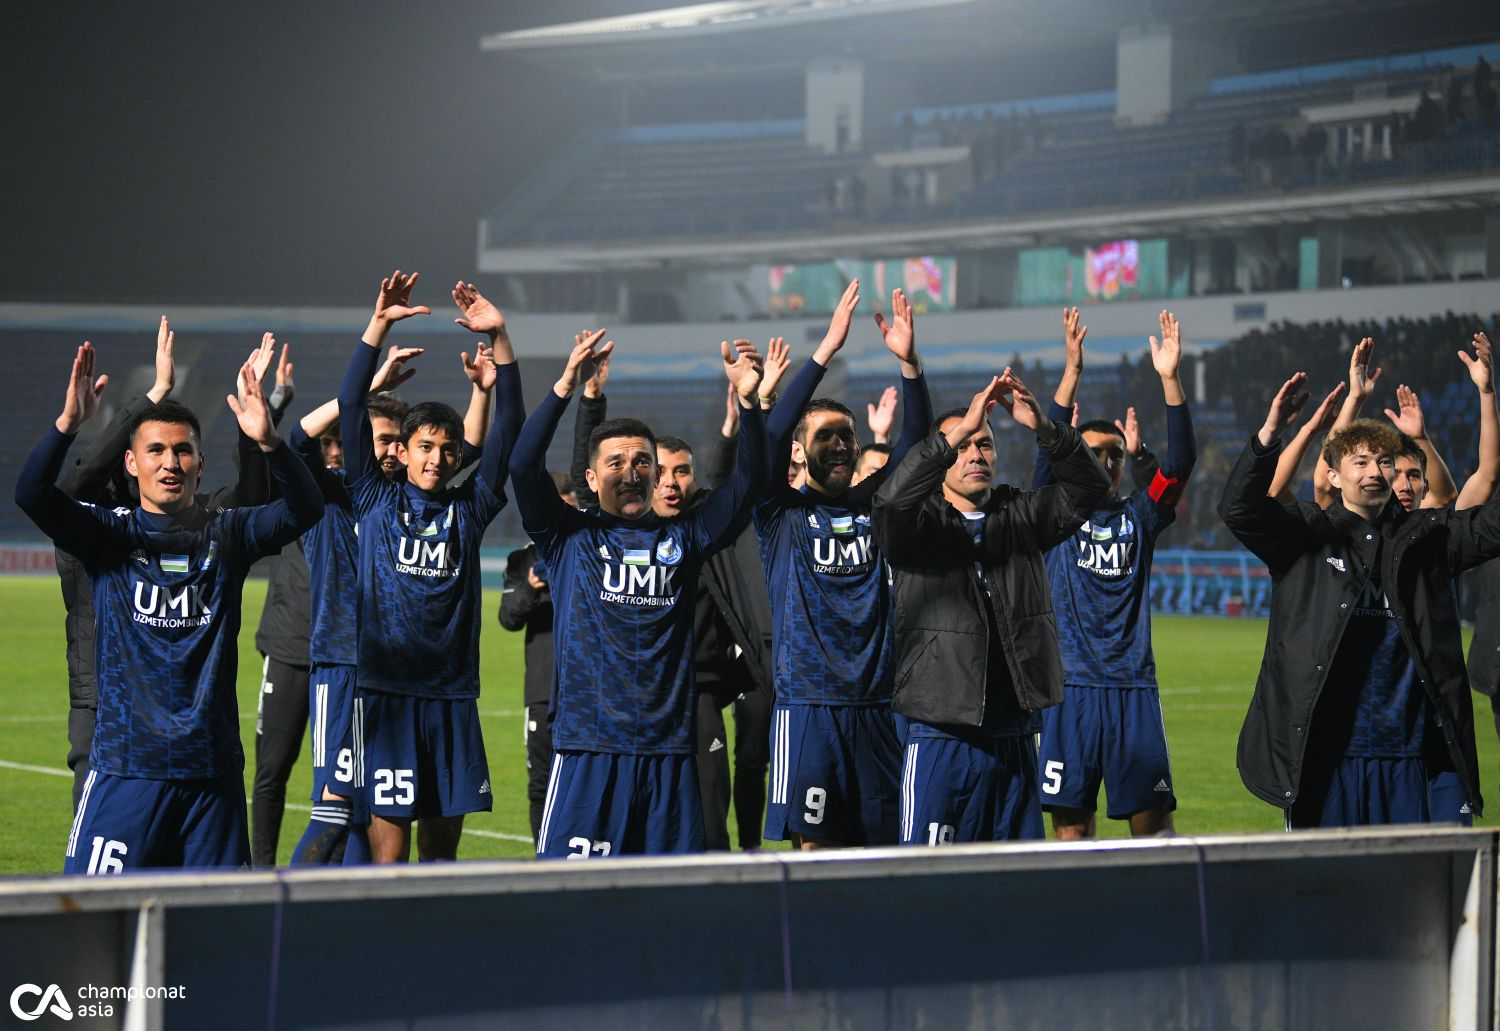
(416, 757)
(1109, 734)
(979, 789)
(1360, 792)
(1446, 801)
(128, 823)
(609, 805)
(835, 773)
(330, 707)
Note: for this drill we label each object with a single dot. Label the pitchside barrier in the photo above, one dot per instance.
(1374, 928)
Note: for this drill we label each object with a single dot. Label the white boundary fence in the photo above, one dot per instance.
(1377, 928)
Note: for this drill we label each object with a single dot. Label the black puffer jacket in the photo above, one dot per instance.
(1319, 563)
(942, 633)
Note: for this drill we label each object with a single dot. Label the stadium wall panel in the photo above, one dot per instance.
(1379, 927)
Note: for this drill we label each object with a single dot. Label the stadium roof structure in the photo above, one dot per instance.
(724, 38)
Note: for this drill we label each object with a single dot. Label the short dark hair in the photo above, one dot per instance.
(434, 415)
(387, 406)
(819, 404)
(1411, 449)
(173, 413)
(563, 482)
(610, 428)
(1101, 426)
(874, 449)
(333, 431)
(952, 413)
(673, 444)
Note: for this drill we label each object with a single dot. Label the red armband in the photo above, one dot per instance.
(1165, 490)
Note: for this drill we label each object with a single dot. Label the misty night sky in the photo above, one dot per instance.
(268, 153)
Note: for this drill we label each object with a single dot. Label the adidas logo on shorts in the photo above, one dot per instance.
(484, 789)
(716, 745)
(1162, 785)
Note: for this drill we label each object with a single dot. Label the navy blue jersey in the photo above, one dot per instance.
(1373, 694)
(832, 637)
(167, 604)
(331, 548)
(1101, 593)
(1101, 576)
(418, 613)
(623, 597)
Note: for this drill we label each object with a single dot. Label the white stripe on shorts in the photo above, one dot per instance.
(908, 791)
(541, 838)
(320, 725)
(83, 803)
(358, 734)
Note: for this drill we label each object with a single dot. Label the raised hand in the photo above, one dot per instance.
(82, 399)
(1408, 417)
(259, 363)
(1167, 354)
(1023, 407)
(880, 417)
(1361, 377)
(586, 353)
(393, 302)
(479, 315)
(900, 335)
(1481, 367)
(482, 370)
(284, 368)
(979, 409)
(1322, 418)
(392, 373)
(251, 410)
(1073, 333)
(594, 385)
(1130, 429)
(166, 368)
(731, 424)
(743, 366)
(838, 325)
(778, 360)
(1285, 407)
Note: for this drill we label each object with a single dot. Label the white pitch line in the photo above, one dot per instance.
(32, 719)
(26, 768)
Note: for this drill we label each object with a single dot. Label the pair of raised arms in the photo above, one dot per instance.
(248, 403)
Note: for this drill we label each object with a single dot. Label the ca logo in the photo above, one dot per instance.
(53, 996)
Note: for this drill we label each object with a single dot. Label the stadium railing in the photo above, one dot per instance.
(1374, 927)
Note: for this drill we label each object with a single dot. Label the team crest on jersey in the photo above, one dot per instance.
(668, 553)
(862, 519)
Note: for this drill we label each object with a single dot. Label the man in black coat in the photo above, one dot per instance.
(976, 640)
(1362, 695)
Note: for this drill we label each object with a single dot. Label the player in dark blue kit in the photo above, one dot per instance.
(623, 584)
(418, 750)
(835, 751)
(976, 639)
(165, 786)
(1109, 727)
(331, 550)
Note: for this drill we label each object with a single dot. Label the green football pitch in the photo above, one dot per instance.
(1207, 669)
